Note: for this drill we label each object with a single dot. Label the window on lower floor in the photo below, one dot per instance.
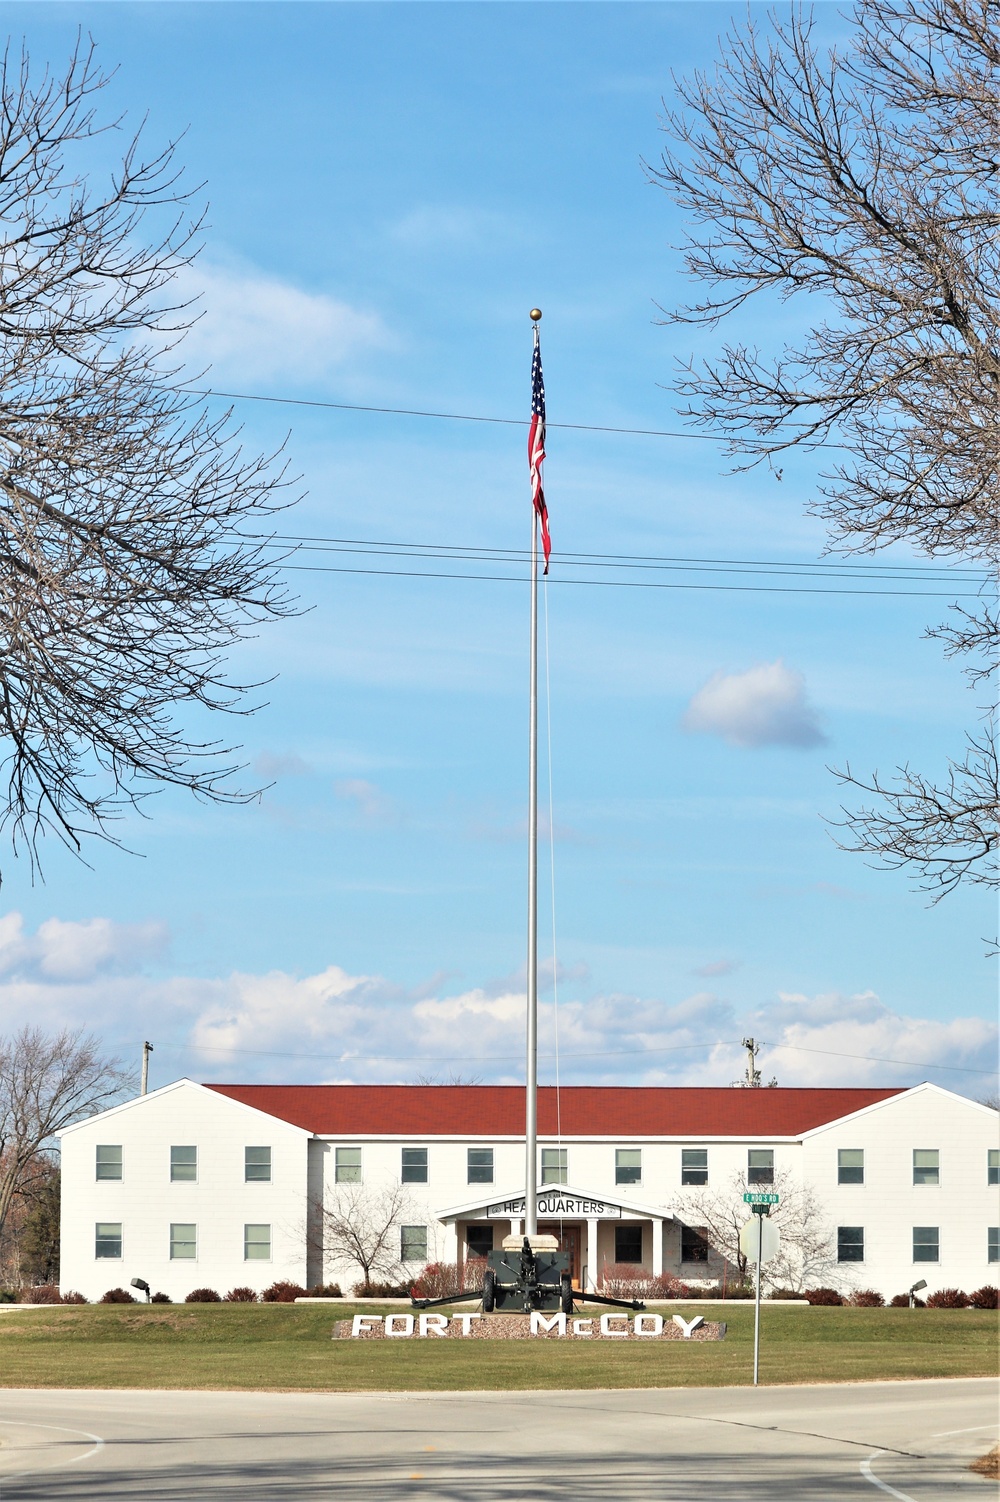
(694, 1165)
(628, 1165)
(479, 1165)
(413, 1243)
(109, 1162)
(478, 1240)
(694, 1244)
(760, 1165)
(554, 1165)
(108, 1238)
(850, 1243)
(183, 1165)
(347, 1165)
(926, 1244)
(257, 1165)
(628, 1243)
(256, 1243)
(992, 1165)
(414, 1165)
(926, 1165)
(993, 1244)
(851, 1165)
(183, 1242)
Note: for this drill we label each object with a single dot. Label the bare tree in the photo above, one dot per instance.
(130, 546)
(47, 1083)
(808, 1253)
(361, 1225)
(868, 180)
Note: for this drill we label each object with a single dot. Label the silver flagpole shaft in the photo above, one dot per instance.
(531, 1070)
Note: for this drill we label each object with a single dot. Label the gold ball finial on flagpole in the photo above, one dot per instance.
(535, 314)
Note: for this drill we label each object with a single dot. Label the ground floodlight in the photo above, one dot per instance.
(916, 1289)
(142, 1286)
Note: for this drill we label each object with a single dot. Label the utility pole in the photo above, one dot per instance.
(752, 1081)
(147, 1049)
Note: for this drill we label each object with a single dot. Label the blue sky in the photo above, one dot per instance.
(390, 189)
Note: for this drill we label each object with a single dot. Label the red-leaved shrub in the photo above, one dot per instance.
(203, 1296)
(241, 1296)
(822, 1296)
(948, 1298)
(628, 1280)
(42, 1293)
(866, 1298)
(161, 1298)
(282, 1293)
(325, 1291)
(381, 1291)
(439, 1280)
(72, 1297)
(117, 1296)
(902, 1301)
(985, 1297)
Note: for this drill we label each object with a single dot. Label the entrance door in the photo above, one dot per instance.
(569, 1238)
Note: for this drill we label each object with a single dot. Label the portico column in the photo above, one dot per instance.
(449, 1235)
(657, 1248)
(592, 1255)
(517, 1228)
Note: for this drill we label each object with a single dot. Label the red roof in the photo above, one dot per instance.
(586, 1110)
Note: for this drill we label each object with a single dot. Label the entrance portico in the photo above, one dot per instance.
(583, 1223)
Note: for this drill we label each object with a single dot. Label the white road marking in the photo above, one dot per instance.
(944, 1433)
(97, 1444)
(869, 1475)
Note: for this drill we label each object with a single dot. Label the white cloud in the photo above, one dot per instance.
(765, 706)
(715, 967)
(61, 951)
(257, 329)
(370, 804)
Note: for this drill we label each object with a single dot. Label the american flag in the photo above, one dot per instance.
(536, 447)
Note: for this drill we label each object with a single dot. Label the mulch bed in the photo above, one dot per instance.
(518, 1327)
(988, 1465)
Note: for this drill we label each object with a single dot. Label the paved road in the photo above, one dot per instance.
(906, 1440)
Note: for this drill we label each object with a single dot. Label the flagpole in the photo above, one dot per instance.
(531, 1062)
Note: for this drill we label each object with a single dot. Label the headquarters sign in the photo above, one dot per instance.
(573, 1206)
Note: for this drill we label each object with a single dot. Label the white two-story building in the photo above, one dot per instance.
(220, 1185)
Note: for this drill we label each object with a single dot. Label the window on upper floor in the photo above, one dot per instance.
(926, 1166)
(183, 1165)
(993, 1244)
(479, 1164)
(413, 1243)
(108, 1164)
(414, 1165)
(926, 1244)
(257, 1165)
(108, 1239)
(628, 1165)
(760, 1165)
(851, 1165)
(256, 1243)
(554, 1165)
(850, 1243)
(993, 1166)
(694, 1165)
(628, 1243)
(694, 1244)
(183, 1242)
(347, 1165)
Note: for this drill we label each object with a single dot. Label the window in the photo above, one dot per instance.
(694, 1165)
(413, 1243)
(348, 1165)
(925, 1244)
(993, 1244)
(926, 1169)
(257, 1165)
(760, 1165)
(628, 1243)
(850, 1167)
(628, 1165)
(256, 1243)
(109, 1162)
(183, 1242)
(480, 1164)
(554, 1165)
(183, 1164)
(850, 1243)
(478, 1240)
(414, 1170)
(992, 1165)
(694, 1244)
(108, 1239)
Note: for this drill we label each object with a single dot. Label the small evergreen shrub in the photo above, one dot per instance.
(948, 1298)
(325, 1291)
(785, 1293)
(282, 1293)
(985, 1297)
(381, 1291)
(822, 1296)
(117, 1296)
(866, 1298)
(203, 1296)
(241, 1296)
(161, 1298)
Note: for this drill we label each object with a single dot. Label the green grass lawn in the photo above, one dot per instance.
(288, 1348)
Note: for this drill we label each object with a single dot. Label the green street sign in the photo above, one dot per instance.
(751, 1197)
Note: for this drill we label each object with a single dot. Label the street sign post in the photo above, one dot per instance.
(759, 1244)
(759, 1197)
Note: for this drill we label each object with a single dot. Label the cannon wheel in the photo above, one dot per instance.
(489, 1291)
(566, 1294)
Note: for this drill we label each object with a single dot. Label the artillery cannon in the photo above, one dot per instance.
(528, 1273)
